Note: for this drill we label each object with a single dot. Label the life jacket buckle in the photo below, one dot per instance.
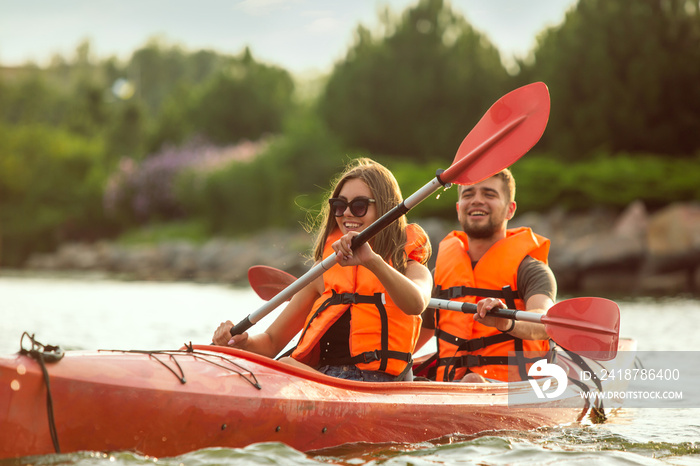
(371, 356)
(476, 344)
(348, 298)
(455, 292)
(473, 360)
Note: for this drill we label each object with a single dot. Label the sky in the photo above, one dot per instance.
(303, 36)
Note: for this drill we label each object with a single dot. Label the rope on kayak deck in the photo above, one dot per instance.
(597, 411)
(178, 372)
(237, 368)
(43, 354)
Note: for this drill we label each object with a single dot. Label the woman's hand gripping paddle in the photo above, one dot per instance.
(504, 134)
(582, 325)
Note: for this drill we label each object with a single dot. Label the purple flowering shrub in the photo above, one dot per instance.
(147, 190)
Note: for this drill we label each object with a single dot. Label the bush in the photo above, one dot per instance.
(50, 189)
(605, 180)
(246, 101)
(544, 182)
(283, 185)
(142, 192)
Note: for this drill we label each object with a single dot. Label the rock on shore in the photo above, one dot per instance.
(633, 253)
(597, 252)
(216, 261)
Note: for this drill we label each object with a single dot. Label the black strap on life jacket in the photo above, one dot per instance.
(508, 295)
(382, 354)
(451, 364)
(472, 344)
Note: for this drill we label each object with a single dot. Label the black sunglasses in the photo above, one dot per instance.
(358, 206)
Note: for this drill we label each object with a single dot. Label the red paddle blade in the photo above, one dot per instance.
(268, 281)
(507, 130)
(585, 325)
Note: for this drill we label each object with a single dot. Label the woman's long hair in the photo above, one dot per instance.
(388, 243)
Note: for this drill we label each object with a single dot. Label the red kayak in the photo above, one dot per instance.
(166, 403)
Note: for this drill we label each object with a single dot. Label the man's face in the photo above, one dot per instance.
(483, 209)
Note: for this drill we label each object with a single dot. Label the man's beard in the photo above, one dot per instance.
(479, 232)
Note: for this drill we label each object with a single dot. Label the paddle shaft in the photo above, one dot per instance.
(470, 308)
(526, 107)
(443, 178)
(526, 316)
(440, 180)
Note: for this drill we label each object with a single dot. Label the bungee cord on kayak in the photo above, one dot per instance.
(245, 374)
(43, 354)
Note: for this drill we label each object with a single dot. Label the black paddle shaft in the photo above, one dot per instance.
(397, 212)
(470, 308)
(383, 222)
(241, 326)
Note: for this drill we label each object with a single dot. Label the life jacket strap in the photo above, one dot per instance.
(507, 294)
(370, 356)
(354, 298)
(472, 360)
(451, 364)
(461, 291)
(474, 343)
(384, 354)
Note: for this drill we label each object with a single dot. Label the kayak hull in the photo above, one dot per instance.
(171, 402)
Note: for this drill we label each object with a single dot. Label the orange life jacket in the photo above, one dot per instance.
(382, 336)
(465, 344)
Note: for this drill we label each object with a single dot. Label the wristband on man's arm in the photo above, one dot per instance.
(512, 326)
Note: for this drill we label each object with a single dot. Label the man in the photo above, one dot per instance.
(495, 267)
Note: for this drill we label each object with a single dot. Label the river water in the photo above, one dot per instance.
(97, 313)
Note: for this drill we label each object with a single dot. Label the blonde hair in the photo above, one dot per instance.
(391, 241)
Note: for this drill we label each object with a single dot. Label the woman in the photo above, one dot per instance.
(361, 319)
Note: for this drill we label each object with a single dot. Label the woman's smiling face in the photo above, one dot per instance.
(352, 189)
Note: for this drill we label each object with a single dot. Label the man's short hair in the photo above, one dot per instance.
(508, 182)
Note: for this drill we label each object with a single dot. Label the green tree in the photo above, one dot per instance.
(50, 189)
(245, 101)
(623, 76)
(155, 70)
(158, 68)
(30, 99)
(172, 126)
(277, 188)
(416, 90)
(87, 111)
(126, 134)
